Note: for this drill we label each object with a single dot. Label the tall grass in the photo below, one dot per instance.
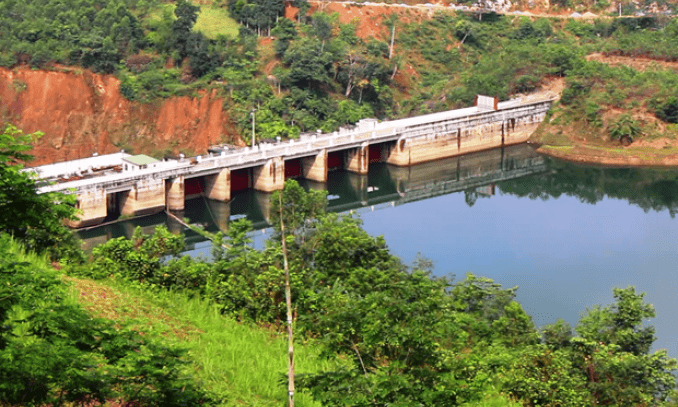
(214, 21)
(241, 363)
(494, 400)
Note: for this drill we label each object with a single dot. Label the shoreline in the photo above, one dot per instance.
(634, 156)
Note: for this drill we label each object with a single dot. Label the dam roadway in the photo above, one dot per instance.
(136, 185)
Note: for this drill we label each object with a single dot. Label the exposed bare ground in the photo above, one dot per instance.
(551, 88)
(661, 151)
(105, 302)
(639, 64)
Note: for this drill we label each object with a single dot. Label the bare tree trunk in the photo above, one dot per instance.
(349, 85)
(395, 70)
(464, 39)
(288, 300)
(390, 52)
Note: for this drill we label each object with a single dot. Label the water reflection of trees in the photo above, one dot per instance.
(648, 188)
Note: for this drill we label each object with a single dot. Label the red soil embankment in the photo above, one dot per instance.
(81, 113)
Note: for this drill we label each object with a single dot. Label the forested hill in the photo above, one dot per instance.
(299, 66)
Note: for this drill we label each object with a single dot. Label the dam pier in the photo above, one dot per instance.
(131, 185)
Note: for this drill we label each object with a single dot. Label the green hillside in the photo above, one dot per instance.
(319, 73)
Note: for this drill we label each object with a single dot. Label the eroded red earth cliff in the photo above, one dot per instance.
(81, 113)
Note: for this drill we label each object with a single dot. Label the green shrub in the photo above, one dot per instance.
(526, 83)
(623, 128)
(52, 352)
(572, 93)
(666, 109)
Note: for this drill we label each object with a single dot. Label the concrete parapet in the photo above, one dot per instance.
(93, 208)
(175, 194)
(218, 186)
(147, 196)
(357, 159)
(270, 176)
(315, 168)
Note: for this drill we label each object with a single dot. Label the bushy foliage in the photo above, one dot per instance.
(667, 109)
(69, 31)
(595, 93)
(53, 353)
(623, 127)
(36, 220)
(260, 14)
(408, 338)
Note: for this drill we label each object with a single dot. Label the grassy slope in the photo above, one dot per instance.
(241, 363)
(212, 20)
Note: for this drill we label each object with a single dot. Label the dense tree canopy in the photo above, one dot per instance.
(324, 67)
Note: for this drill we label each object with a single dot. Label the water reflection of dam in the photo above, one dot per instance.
(472, 171)
(384, 184)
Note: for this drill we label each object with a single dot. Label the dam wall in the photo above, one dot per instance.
(137, 185)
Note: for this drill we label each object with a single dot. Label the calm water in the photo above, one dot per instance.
(565, 234)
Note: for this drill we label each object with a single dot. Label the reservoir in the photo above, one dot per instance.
(565, 234)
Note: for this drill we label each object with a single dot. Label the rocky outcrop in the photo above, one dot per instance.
(82, 113)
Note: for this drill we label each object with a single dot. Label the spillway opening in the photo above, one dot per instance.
(335, 160)
(241, 179)
(379, 152)
(194, 187)
(293, 168)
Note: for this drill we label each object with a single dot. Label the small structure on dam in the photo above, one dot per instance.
(133, 185)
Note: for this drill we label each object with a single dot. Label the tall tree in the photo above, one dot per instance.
(322, 28)
(621, 323)
(36, 220)
(187, 15)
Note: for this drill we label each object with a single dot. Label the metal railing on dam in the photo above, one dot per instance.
(411, 130)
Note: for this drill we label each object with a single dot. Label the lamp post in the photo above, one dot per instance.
(253, 121)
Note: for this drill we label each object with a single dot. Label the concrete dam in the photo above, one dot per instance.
(136, 185)
(385, 186)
